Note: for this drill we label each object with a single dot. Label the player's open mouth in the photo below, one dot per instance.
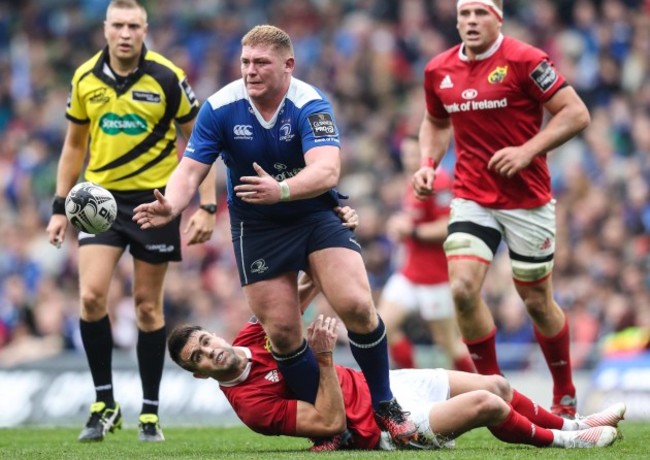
(219, 358)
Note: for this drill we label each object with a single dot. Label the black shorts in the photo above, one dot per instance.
(155, 245)
(265, 249)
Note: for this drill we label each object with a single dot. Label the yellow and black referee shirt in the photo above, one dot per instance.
(132, 130)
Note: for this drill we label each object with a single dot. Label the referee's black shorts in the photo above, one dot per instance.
(155, 245)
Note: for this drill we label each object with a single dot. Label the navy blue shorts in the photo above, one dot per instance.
(266, 249)
(154, 245)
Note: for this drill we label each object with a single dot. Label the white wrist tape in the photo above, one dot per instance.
(285, 191)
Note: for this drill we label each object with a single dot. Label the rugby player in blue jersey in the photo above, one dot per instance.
(278, 138)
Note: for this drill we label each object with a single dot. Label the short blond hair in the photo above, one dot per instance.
(268, 35)
(127, 5)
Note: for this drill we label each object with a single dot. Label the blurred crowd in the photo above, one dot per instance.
(368, 55)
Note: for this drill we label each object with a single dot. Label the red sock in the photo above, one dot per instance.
(534, 412)
(484, 354)
(465, 363)
(517, 429)
(402, 353)
(558, 359)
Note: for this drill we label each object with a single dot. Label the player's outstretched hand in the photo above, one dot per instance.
(260, 189)
(422, 182)
(321, 335)
(154, 214)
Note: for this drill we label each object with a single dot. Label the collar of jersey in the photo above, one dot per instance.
(244, 375)
(479, 57)
(103, 61)
(267, 124)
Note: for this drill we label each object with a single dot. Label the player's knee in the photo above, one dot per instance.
(465, 294)
(93, 304)
(285, 338)
(488, 406)
(148, 314)
(359, 315)
(499, 386)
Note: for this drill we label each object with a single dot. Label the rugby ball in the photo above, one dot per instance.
(90, 208)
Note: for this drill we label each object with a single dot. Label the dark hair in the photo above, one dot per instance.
(177, 339)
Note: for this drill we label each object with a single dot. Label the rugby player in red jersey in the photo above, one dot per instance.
(491, 92)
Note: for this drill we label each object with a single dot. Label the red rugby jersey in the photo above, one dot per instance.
(265, 404)
(426, 263)
(495, 101)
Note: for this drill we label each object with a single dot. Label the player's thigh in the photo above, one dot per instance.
(341, 274)
(96, 266)
(464, 382)
(275, 304)
(473, 238)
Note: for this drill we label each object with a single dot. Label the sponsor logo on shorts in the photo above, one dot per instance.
(160, 248)
(146, 96)
(243, 132)
(259, 266)
(544, 76)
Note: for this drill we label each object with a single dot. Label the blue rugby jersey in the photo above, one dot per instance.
(229, 125)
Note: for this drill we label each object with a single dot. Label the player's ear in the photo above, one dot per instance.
(199, 376)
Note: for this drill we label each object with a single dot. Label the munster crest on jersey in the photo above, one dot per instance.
(498, 74)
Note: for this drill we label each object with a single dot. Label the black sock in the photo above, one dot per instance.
(97, 339)
(371, 353)
(301, 372)
(151, 359)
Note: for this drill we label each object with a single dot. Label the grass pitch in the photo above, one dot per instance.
(241, 443)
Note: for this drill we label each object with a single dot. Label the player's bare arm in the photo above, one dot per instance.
(180, 189)
(70, 166)
(321, 173)
(434, 135)
(569, 117)
(327, 416)
(200, 225)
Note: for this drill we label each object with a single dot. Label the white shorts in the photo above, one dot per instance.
(527, 232)
(417, 390)
(433, 301)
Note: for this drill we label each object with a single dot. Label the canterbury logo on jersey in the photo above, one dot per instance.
(243, 131)
(131, 124)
